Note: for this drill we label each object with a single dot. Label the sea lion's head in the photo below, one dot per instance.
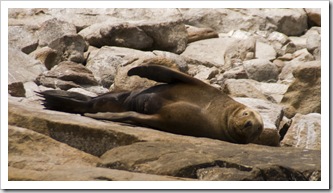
(245, 125)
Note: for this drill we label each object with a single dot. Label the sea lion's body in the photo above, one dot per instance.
(184, 105)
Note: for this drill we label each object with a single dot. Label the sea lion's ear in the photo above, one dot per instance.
(164, 74)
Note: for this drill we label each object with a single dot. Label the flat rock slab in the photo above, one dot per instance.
(251, 162)
(144, 150)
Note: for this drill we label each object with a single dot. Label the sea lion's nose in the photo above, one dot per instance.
(248, 124)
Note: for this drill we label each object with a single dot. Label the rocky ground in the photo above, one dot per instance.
(268, 59)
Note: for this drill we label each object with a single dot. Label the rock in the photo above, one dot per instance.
(277, 37)
(195, 34)
(175, 58)
(242, 88)
(314, 15)
(273, 91)
(287, 21)
(219, 52)
(154, 152)
(69, 48)
(113, 34)
(84, 174)
(250, 88)
(279, 63)
(313, 44)
(104, 64)
(53, 29)
(304, 132)
(27, 150)
(16, 89)
(193, 160)
(168, 36)
(299, 42)
(70, 75)
(47, 56)
(128, 83)
(271, 114)
(264, 51)
(205, 73)
(22, 67)
(22, 38)
(236, 73)
(303, 55)
(261, 70)
(303, 94)
(33, 18)
(30, 154)
(30, 89)
(286, 49)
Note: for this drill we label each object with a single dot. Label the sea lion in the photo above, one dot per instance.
(181, 105)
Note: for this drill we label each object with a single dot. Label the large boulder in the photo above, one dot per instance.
(22, 38)
(304, 132)
(53, 29)
(220, 52)
(67, 75)
(287, 21)
(261, 70)
(304, 94)
(149, 151)
(169, 36)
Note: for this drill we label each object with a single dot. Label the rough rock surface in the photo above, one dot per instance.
(303, 95)
(149, 151)
(268, 59)
(304, 132)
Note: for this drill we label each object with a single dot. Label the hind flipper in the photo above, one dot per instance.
(164, 74)
(65, 101)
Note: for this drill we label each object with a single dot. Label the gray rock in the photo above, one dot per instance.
(53, 29)
(281, 38)
(22, 67)
(289, 48)
(236, 73)
(104, 64)
(219, 52)
(261, 70)
(304, 132)
(271, 114)
(264, 51)
(299, 42)
(242, 88)
(67, 75)
(287, 21)
(205, 73)
(313, 43)
(168, 36)
(22, 38)
(303, 55)
(117, 34)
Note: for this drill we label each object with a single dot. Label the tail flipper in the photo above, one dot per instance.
(65, 101)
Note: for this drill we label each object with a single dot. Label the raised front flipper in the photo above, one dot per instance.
(164, 74)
